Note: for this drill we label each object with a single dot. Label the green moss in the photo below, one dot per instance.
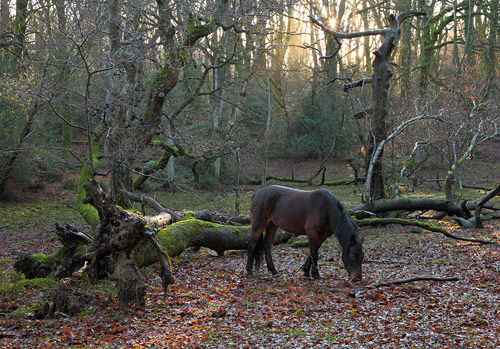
(188, 215)
(51, 259)
(24, 311)
(298, 243)
(133, 210)
(87, 211)
(45, 283)
(176, 238)
(340, 182)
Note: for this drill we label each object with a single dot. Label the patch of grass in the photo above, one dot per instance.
(45, 283)
(10, 286)
(274, 291)
(251, 304)
(331, 337)
(297, 332)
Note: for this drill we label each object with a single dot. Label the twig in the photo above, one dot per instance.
(405, 281)
(393, 283)
(145, 200)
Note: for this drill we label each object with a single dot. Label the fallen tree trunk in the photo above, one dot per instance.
(177, 216)
(379, 207)
(197, 233)
(346, 181)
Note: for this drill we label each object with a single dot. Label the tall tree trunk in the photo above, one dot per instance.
(20, 24)
(4, 17)
(280, 41)
(491, 59)
(7, 166)
(404, 57)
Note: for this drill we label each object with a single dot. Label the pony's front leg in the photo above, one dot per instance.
(313, 254)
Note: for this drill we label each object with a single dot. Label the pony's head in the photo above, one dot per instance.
(352, 249)
(352, 256)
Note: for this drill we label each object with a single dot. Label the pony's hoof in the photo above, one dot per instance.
(274, 272)
(316, 277)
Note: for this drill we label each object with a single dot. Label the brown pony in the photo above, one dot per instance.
(317, 214)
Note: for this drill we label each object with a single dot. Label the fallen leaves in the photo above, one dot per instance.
(212, 304)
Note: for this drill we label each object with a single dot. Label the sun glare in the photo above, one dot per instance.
(331, 23)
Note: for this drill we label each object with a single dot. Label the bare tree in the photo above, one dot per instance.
(380, 84)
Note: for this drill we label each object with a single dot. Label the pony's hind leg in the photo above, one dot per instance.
(268, 243)
(258, 254)
(307, 265)
(255, 237)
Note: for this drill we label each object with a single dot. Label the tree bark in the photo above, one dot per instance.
(117, 236)
(385, 206)
(480, 204)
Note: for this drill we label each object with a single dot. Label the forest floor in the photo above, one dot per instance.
(213, 305)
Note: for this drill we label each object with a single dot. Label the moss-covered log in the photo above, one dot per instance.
(194, 232)
(345, 181)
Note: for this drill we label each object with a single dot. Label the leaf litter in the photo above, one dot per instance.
(213, 305)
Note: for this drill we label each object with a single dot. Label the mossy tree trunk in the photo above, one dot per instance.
(169, 151)
(135, 127)
(432, 31)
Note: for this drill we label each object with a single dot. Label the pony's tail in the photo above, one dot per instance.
(259, 253)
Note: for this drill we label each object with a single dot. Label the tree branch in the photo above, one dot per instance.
(358, 83)
(340, 35)
(405, 281)
(377, 152)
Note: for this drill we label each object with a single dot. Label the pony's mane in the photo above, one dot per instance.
(345, 227)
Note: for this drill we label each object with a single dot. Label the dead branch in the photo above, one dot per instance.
(380, 147)
(480, 204)
(405, 281)
(177, 216)
(380, 207)
(438, 180)
(359, 83)
(414, 222)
